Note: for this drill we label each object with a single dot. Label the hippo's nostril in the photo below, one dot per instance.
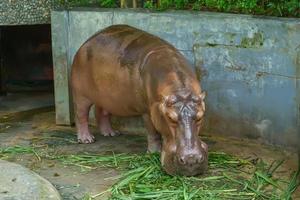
(192, 159)
(199, 158)
(181, 160)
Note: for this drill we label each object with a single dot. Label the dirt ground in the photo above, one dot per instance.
(73, 182)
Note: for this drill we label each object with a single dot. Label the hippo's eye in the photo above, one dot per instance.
(197, 100)
(199, 120)
(199, 116)
(172, 117)
(171, 100)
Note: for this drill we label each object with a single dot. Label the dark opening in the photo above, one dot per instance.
(26, 58)
(26, 69)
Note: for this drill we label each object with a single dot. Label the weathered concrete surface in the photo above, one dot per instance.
(17, 182)
(250, 66)
(14, 103)
(61, 69)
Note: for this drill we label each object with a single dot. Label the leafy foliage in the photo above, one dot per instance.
(280, 8)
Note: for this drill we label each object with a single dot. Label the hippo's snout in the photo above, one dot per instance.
(190, 164)
(185, 161)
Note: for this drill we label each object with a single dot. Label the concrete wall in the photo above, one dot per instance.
(250, 66)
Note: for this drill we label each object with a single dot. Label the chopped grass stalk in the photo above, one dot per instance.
(292, 186)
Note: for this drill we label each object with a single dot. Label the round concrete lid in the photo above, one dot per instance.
(20, 183)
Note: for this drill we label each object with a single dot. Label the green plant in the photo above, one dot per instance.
(282, 8)
(164, 4)
(180, 4)
(108, 3)
(148, 4)
(197, 5)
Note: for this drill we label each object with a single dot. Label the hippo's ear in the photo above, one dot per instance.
(203, 95)
(162, 104)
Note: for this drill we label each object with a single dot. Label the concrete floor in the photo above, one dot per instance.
(20, 102)
(37, 128)
(72, 182)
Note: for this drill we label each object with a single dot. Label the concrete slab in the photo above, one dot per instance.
(19, 102)
(17, 182)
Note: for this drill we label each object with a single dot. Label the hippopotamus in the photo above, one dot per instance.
(125, 71)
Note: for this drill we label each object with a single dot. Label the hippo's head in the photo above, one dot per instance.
(181, 116)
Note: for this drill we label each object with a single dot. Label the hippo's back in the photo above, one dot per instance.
(128, 44)
(107, 68)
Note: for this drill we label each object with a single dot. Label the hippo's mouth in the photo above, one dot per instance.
(171, 165)
(192, 170)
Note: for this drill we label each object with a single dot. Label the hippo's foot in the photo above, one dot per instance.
(154, 147)
(154, 143)
(103, 122)
(86, 138)
(110, 132)
(153, 137)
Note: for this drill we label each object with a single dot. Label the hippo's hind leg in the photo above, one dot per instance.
(82, 107)
(103, 122)
(153, 137)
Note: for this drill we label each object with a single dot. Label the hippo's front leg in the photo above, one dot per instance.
(153, 137)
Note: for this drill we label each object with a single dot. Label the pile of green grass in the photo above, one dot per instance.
(142, 177)
(228, 177)
(8, 152)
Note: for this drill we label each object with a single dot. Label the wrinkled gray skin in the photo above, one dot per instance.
(124, 71)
